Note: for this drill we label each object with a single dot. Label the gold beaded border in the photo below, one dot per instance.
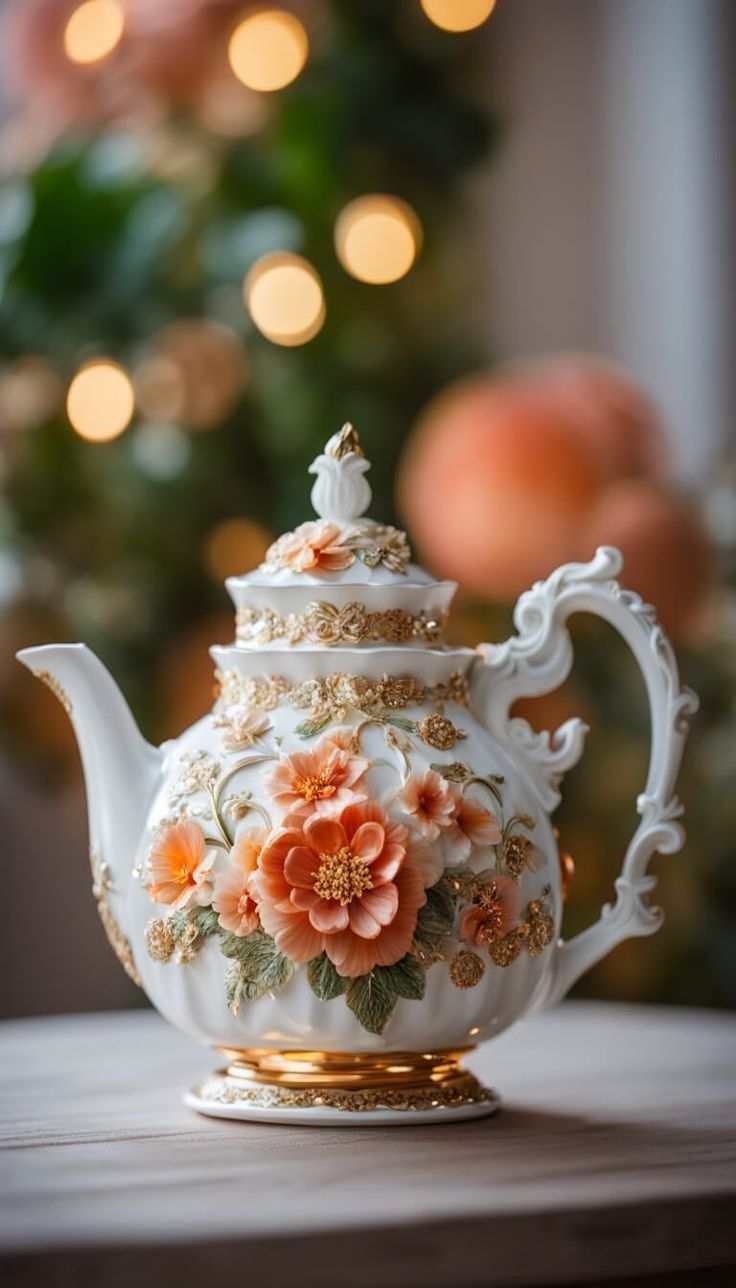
(467, 1090)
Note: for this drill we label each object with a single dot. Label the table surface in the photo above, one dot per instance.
(614, 1156)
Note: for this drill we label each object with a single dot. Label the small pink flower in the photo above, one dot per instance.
(321, 781)
(431, 800)
(493, 912)
(311, 547)
(232, 899)
(471, 825)
(181, 866)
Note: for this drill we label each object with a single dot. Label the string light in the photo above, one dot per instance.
(377, 238)
(93, 31)
(458, 15)
(235, 546)
(100, 401)
(268, 49)
(284, 296)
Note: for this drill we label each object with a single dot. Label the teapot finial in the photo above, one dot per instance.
(341, 493)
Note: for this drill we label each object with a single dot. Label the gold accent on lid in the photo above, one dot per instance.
(344, 442)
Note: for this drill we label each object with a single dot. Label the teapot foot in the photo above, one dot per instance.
(341, 1090)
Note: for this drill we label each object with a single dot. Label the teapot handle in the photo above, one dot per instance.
(535, 661)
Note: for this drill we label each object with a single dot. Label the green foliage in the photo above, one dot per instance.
(436, 920)
(324, 979)
(310, 728)
(257, 967)
(372, 997)
(114, 249)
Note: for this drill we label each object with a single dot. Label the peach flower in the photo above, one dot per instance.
(181, 866)
(493, 912)
(350, 886)
(311, 547)
(431, 800)
(322, 780)
(441, 809)
(471, 825)
(232, 900)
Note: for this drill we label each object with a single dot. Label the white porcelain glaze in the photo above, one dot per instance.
(130, 784)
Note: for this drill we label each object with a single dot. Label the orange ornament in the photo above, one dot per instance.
(614, 418)
(668, 557)
(494, 485)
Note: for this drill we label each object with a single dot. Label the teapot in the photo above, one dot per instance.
(345, 876)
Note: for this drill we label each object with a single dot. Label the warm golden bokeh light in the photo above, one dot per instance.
(100, 401)
(93, 31)
(234, 547)
(284, 297)
(377, 238)
(268, 49)
(458, 15)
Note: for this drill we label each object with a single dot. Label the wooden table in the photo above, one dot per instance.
(613, 1157)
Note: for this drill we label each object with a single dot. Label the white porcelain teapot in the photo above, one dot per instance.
(345, 875)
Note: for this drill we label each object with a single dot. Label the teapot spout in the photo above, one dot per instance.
(121, 769)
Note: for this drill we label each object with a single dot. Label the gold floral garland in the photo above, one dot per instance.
(334, 696)
(324, 623)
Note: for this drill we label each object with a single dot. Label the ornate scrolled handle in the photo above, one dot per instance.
(536, 661)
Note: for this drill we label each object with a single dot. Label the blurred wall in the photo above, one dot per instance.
(606, 221)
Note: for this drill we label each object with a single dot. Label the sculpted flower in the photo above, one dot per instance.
(350, 886)
(241, 725)
(431, 800)
(181, 866)
(442, 810)
(471, 825)
(232, 900)
(493, 912)
(323, 780)
(309, 548)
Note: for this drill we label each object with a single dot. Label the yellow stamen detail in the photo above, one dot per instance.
(342, 877)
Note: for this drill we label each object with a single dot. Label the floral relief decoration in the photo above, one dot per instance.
(364, 894)
(321, 547)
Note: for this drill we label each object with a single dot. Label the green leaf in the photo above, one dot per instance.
(371, 998)
(258, 967)
(324, 979)
(206, 920)
(370, 555)
(400, 722)
(436, 920)
(407, 977)
(310, 728)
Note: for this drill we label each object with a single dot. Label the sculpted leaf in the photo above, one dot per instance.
(324, 979)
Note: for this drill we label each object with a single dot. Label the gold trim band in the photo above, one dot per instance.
(323, 623)
(341, 1071)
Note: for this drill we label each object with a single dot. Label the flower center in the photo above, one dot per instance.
(342, 876)
(492, 922)
(182, 875)
(243, 903)
(315, 787)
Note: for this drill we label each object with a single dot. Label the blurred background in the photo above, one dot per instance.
(496, 238)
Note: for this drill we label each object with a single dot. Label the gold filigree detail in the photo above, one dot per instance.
(421, 1100)
(120, 944)
(323, 623)
(160, 939)
(437, 731)
(467, 969)
(371, 543)
(535, 934)
(57, 689)
(332, 697)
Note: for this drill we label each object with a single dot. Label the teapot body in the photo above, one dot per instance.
(461, 995)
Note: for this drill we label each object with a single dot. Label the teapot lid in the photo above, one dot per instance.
(342, 565)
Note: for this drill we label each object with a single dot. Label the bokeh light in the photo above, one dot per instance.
(235, 546)
(377, 238)
(284, 297)
(100, 401)
(93, 31)
(268, 49)
(194, 374)
(458, 15)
